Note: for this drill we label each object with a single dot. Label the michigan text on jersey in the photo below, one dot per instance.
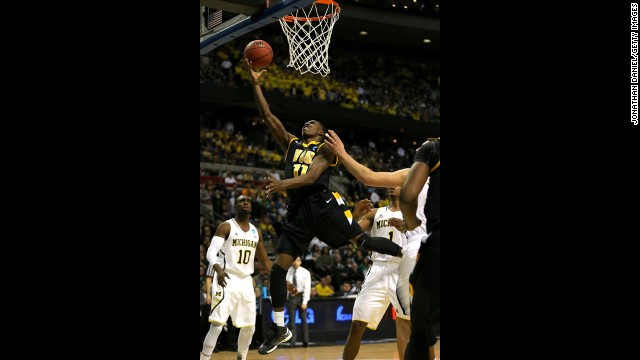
(244, 242)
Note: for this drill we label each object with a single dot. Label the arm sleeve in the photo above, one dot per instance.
(212, 252)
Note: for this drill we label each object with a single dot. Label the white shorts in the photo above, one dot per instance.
(237, 300)
(378, 290)
(407, 263)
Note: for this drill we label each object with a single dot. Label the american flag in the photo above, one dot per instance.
(214, 18)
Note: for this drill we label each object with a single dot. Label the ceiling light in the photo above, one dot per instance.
(363, 32)
(426, 41)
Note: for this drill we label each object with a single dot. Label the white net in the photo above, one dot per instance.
(308, 31)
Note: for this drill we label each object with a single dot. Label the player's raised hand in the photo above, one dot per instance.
(362, 208)
(221, 277)
(274, 184)
(254, 75)
(398, 224)
(333, 142)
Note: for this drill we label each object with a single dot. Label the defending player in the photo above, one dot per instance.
(231, 255)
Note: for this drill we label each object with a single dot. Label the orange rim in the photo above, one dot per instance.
(291, 18)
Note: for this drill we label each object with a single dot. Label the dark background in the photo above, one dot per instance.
(541, 196)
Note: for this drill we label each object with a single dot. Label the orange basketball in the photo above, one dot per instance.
(260, 54)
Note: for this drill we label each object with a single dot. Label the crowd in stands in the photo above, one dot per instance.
(220, 143)
(356, 81)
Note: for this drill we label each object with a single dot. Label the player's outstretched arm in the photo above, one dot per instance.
(418, 175)
(409, 196)
(362, 173)
(366, 222)
(281, 135)
(261, 253)
(318, 165)
(398, 224)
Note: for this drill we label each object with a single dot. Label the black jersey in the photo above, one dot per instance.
(432, 206)
(297, 162)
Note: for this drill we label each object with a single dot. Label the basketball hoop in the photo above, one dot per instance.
(308, 31)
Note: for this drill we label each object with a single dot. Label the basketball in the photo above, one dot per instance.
(260, 54)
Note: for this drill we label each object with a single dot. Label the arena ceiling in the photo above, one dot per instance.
(388, 28)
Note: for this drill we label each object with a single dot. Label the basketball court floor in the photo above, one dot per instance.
(372, 351)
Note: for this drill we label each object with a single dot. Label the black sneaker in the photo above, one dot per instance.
(278, 335)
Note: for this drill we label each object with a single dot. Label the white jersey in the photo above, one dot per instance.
(381, 228)
(422, 198)
(238, 252)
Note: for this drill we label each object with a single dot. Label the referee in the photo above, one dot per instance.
(301, 280)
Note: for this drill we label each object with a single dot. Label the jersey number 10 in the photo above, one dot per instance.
(244, 258)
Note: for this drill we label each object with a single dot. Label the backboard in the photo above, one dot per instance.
(225, 20)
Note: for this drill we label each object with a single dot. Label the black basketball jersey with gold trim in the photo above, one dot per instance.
(297, 162)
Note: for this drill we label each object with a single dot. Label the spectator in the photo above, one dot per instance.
(323, 289)
(345, 289)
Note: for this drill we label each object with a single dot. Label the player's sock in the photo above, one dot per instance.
(244, 340)
(210, 341)
(278, 318)
(379, 244)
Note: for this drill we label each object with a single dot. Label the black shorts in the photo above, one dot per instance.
(425, 279)
(324, 215)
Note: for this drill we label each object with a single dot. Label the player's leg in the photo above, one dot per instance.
(378, 244)
(352, 346)
(244, 340)
(210, 341)
(244, 315)
(332, 222)
(403, 320)
(368, 309)
(425, 308)
(278, 283)
(294, 240)
(221, 306)
(407, 263)
(403, 330)
(418, 344)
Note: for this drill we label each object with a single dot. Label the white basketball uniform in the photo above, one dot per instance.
(237, 299)
(410, 252)
(379, 286)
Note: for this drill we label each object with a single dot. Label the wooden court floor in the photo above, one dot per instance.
(374, 351)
